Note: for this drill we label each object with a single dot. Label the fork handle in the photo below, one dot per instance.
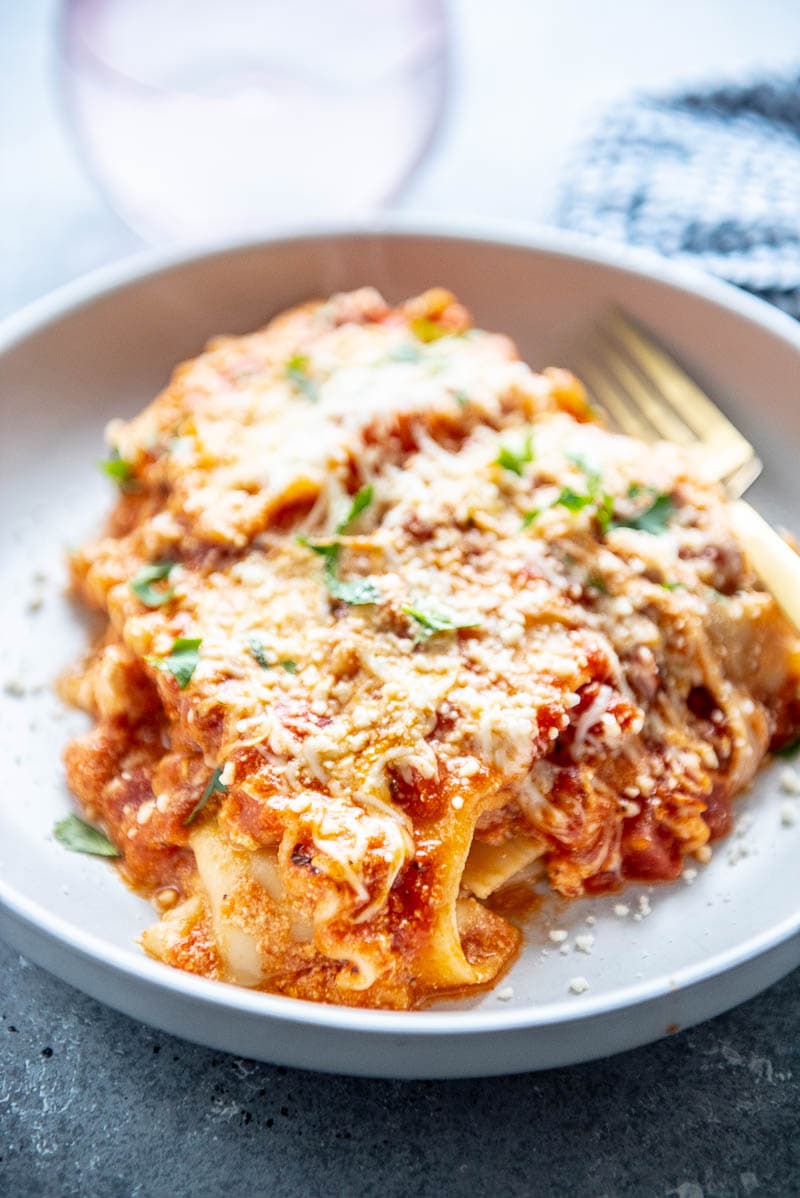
(775, 562)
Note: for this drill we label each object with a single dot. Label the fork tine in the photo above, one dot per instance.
(644, 396)
(629, 420)
(681, 392)
(734, 458)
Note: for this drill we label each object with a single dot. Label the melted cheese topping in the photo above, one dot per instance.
(533, 637)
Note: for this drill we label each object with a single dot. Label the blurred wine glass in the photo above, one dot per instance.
(203, 119)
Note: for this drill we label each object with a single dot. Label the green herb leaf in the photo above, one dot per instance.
(358, 592)
(529, 517)
(516, 460)
(595, 583)
(361, 501)
(257, 649)
(434, 619)
(214, 786)
(605, 512)
(298, 376)
(120, 471)
(592, 474)
(79, 837)
(405, 353)
(672, 586)
(653, 519)
(182, 660)
(572, 500)
(327, 549)
(142, 584)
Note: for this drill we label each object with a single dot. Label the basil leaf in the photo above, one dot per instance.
(434, 619)
(653, 519)
(257, 649)
(571, 500)
(142, 584)
(120, 471)
(298, 376)
(593, 475)
(79, 837)
(214, 786)
(182, 660)
(516, 460)
(361, 501)
(605, 512)
(357, 592)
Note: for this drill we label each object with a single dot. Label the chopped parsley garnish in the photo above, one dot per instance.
(257, 649)
(671, 586)
(142, 584)
(79, 837)
(214, 786)
(405, 353)
(120, 471)
(181, 661)
(298, 376)
(434, 619)
(361, 501)
(571, 500)
(654, 519)
(593, 475)
(576, 501)
(358, 591)
(605, 512)
(595, 583)
(516, 460)
(426, 330)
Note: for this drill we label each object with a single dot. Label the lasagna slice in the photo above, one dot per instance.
(393, 622)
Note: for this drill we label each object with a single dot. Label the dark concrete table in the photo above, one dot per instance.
(92, 1103)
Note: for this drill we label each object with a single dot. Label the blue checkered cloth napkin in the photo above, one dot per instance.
(708, 177)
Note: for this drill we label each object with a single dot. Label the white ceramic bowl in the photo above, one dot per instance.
(103, 347)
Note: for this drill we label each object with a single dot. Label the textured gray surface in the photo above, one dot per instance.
(93, 1103)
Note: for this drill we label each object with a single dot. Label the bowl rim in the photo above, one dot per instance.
(137, 968)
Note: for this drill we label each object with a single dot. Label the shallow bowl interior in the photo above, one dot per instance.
(103, 348)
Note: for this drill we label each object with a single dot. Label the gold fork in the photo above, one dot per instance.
(647, 395)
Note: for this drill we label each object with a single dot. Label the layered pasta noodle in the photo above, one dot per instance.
(392, 625)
